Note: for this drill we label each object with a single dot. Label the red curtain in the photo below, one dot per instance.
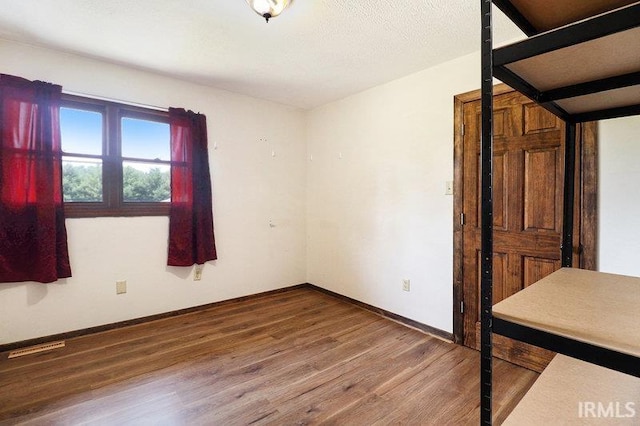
(33, 237)
(191, 239)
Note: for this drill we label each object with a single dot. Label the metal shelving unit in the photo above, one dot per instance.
(581, 61)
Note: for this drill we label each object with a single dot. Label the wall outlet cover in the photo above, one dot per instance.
(121, 287)
(406, 285)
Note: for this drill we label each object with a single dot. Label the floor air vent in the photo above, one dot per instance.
(35, 349)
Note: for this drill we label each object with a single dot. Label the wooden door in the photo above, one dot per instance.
(528, 193)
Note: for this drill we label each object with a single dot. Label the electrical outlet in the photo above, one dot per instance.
(197, 273)
(121, 287)
(406, 285)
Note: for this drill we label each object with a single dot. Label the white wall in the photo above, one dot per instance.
(377, 213)
(373, 172)
(250, 188)
(376, 204)
(619, 230)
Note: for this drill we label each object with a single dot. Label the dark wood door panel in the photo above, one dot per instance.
(506, 122)
(527, 189)
(528, 179)
(543, 189)
(538, 119)
(528, 243)
(500, 277)
(500, 195)
(536, 268)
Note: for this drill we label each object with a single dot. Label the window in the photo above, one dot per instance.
(116, 159)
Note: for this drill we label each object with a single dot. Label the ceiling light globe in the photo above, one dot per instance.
(268, 8)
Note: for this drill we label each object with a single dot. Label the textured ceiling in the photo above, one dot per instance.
(317, 51)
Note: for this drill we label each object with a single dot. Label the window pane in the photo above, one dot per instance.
(145, 139)
(146, 182)
(81, 131)
(81, 180)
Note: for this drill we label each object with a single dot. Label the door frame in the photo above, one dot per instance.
(587, 212)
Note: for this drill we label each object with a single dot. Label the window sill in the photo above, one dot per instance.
(85, 210)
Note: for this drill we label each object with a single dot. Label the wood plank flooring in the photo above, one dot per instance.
(297, 357)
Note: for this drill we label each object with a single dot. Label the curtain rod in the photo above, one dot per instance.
(103, 98)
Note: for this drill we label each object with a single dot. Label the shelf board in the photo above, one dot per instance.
(585, 67)
(543, 15)
(596, 308)
(568, 388)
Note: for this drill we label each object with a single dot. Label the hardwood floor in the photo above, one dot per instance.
(298, 357)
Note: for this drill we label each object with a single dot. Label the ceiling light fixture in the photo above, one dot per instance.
(269, 8)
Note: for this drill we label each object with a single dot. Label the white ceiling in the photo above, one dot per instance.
(317, 51)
